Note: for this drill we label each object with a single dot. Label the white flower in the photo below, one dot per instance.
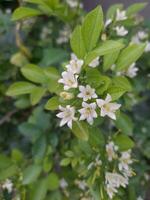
(74, 3)
(66, 95)
(140, 198)
(63, 183)
(147, 48)
(142, 35)
(69, 80)
(81, 184)
(67, 115)
(86, 92)
(75, 65)
(88, 112)
(94, 63)
(116, 180)
(121, 15)
(108, 22)
(108, 108)
(110, 149)
(111, 190)
(8, 185)
(135, 39)
(64, 35)
(132, 71)
(125, 160)
(121, 31)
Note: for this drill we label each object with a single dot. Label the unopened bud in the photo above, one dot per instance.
(104, 37)
(66, 95)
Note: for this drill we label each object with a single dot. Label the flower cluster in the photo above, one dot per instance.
(141, 36)
(119, 178)
(90, 100)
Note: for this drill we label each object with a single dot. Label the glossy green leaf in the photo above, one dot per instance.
(20, 88)
(110, 59)
(39, 148)
(25, 12)
(52, 103)
(133, 9)
(116, 92)
(92, 27)
(40, 189)
(104, 48)
(129, 55)
(125, 124)
(122, 82)
(8, 172)
(34, 73)
(80, 130)
(31, 174)
(36, 95)
(123, 142)
(53, 181)
(77, 43)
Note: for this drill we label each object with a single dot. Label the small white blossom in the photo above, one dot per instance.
(75, 65)
(116, 180)
(121, 31)
(63, 183)
(140, 198)
(88, 112)
(135, 39)
(64, 35)
(8, 185)
(125, 160)
(67, 115)
(69, 80)
(94, 63)
(147, 48)
(110, 149)
(132, 71)
(142, 35)
(108, 22)
(86, 92)
(81, 184)
(111, 190)
(108, 108)
(121, 15)
(66, 95)
(74, 3)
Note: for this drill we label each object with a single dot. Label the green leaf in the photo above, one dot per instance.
(123, 142)
(96, 138)
(17, 155)
(50, 56)
(20, 88)
(122, 82)
(133, 9)
(92, 27)
(104, 48)
(4, 161)
(40, 189)
(31, 174)
(53, 181)
(110, 59)
(80, 130)
(129, 55)
(125, 124)
(52, 103)
(30, 131)
(116, 92)
(34, 73)
(24, 12)
(37, 94)
(111, 13)
(8, 172)
(39, 148)
(93, 77)
(77, 43)
(65, 162)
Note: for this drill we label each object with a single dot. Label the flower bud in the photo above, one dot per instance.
(66, 95)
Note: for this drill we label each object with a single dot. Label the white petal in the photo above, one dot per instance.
(108, 98)
(111, 115)
(100, 102)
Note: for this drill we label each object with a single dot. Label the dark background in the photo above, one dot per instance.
(89, 4)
